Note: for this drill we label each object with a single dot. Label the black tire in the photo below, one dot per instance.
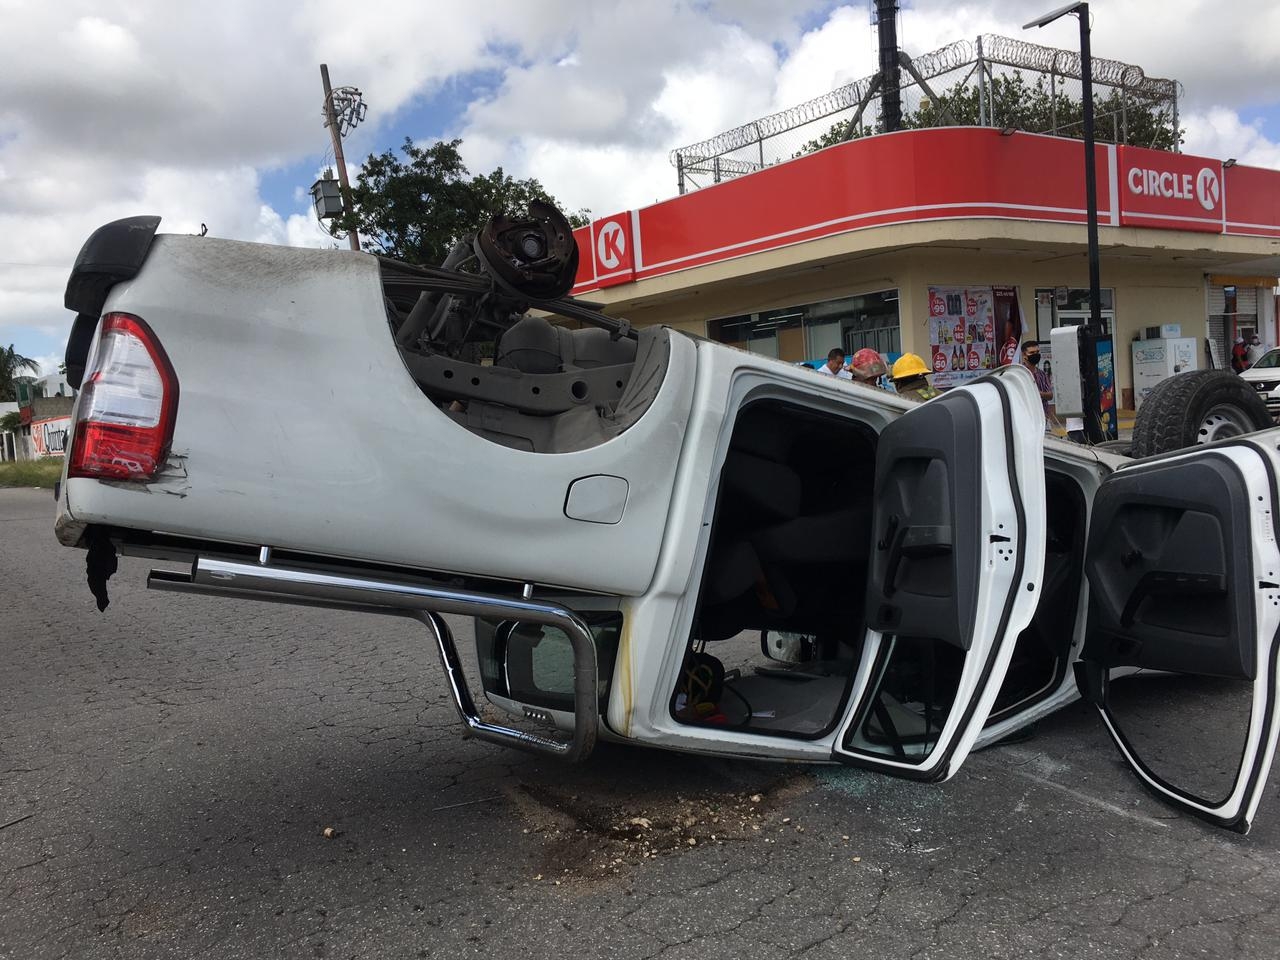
(1197, 407)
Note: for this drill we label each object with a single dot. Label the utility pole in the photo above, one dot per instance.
(331, 121)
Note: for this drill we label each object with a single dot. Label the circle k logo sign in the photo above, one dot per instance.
(1204, 188)
(1208, 189)
(611, 244)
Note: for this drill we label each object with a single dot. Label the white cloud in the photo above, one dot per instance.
(839, 50)
(180, 109)
(176, 109)
(1219, 132)
(49, 363)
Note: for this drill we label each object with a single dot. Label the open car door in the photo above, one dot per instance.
(1184, 577)
(957, 558)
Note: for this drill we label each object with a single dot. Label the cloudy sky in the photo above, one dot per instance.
(210, 113)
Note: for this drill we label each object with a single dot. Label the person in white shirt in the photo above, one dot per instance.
(834, 367)
(1254, 350)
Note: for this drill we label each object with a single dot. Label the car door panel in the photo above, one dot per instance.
(1184, 576)
(1168, 590)
(957, 560)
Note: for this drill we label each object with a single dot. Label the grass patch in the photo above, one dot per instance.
(31, 473)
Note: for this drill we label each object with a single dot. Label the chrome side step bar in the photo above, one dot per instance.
(229, 578)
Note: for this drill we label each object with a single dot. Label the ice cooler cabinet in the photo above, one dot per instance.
(1159, 359)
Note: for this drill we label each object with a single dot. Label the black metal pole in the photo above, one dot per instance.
(1090, 172)
(1093, 329)
(1089, 363)
(890, 83)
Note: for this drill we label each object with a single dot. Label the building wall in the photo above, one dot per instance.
(1145, 295)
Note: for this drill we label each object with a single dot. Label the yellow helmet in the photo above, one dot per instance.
(909, 365)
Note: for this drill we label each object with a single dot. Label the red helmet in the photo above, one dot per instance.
(867, 364)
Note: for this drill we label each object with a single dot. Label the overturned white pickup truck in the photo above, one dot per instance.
(662, 540)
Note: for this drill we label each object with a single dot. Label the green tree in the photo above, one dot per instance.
(10, 421)
(837, 133)
(12, 364)
(417, 208)
(1013, 102)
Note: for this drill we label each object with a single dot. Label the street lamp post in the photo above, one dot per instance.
(1089, 362)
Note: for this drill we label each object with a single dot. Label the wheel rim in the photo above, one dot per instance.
(1221, 422)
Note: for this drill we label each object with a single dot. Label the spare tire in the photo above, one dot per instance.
(1197, 407)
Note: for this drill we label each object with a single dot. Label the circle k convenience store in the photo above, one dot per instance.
(948, 242)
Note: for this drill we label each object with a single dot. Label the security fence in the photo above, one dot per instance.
(992, 81)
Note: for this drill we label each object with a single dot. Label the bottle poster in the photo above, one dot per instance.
(1107, 387)
(972, 330)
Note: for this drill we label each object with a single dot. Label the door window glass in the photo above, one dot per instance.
(1268, 360)
(912, 699)
(1189, 731)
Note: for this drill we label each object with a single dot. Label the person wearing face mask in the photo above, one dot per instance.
(1239, 355)
(1031, 360)
(1254, 351)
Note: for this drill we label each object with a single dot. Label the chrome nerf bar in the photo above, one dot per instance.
(229, 578)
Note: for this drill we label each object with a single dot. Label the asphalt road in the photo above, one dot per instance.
(177, 759)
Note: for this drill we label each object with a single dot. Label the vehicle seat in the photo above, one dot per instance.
(535, 345)
(762, 488)
(793, 537)
(822, 561)
(740, 593)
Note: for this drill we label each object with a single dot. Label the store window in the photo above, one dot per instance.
(808, 331)
(1069, 307)
(1233, 312)
(771, 333)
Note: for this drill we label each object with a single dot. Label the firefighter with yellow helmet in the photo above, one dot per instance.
(911, 378)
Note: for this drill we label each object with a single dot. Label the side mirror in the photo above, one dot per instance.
(784, 647)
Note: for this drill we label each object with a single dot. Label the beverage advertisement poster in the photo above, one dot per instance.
(971, 330)
(1107, 387)
(1008, 323)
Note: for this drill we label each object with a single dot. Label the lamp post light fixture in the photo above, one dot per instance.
(1089, 364)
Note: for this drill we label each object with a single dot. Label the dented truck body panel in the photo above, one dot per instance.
(300, 426)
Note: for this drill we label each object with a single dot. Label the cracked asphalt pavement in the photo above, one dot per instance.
(167, 770)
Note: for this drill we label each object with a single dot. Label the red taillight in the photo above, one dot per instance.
(128, 404)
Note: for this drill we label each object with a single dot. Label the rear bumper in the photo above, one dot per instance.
(281, 584)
